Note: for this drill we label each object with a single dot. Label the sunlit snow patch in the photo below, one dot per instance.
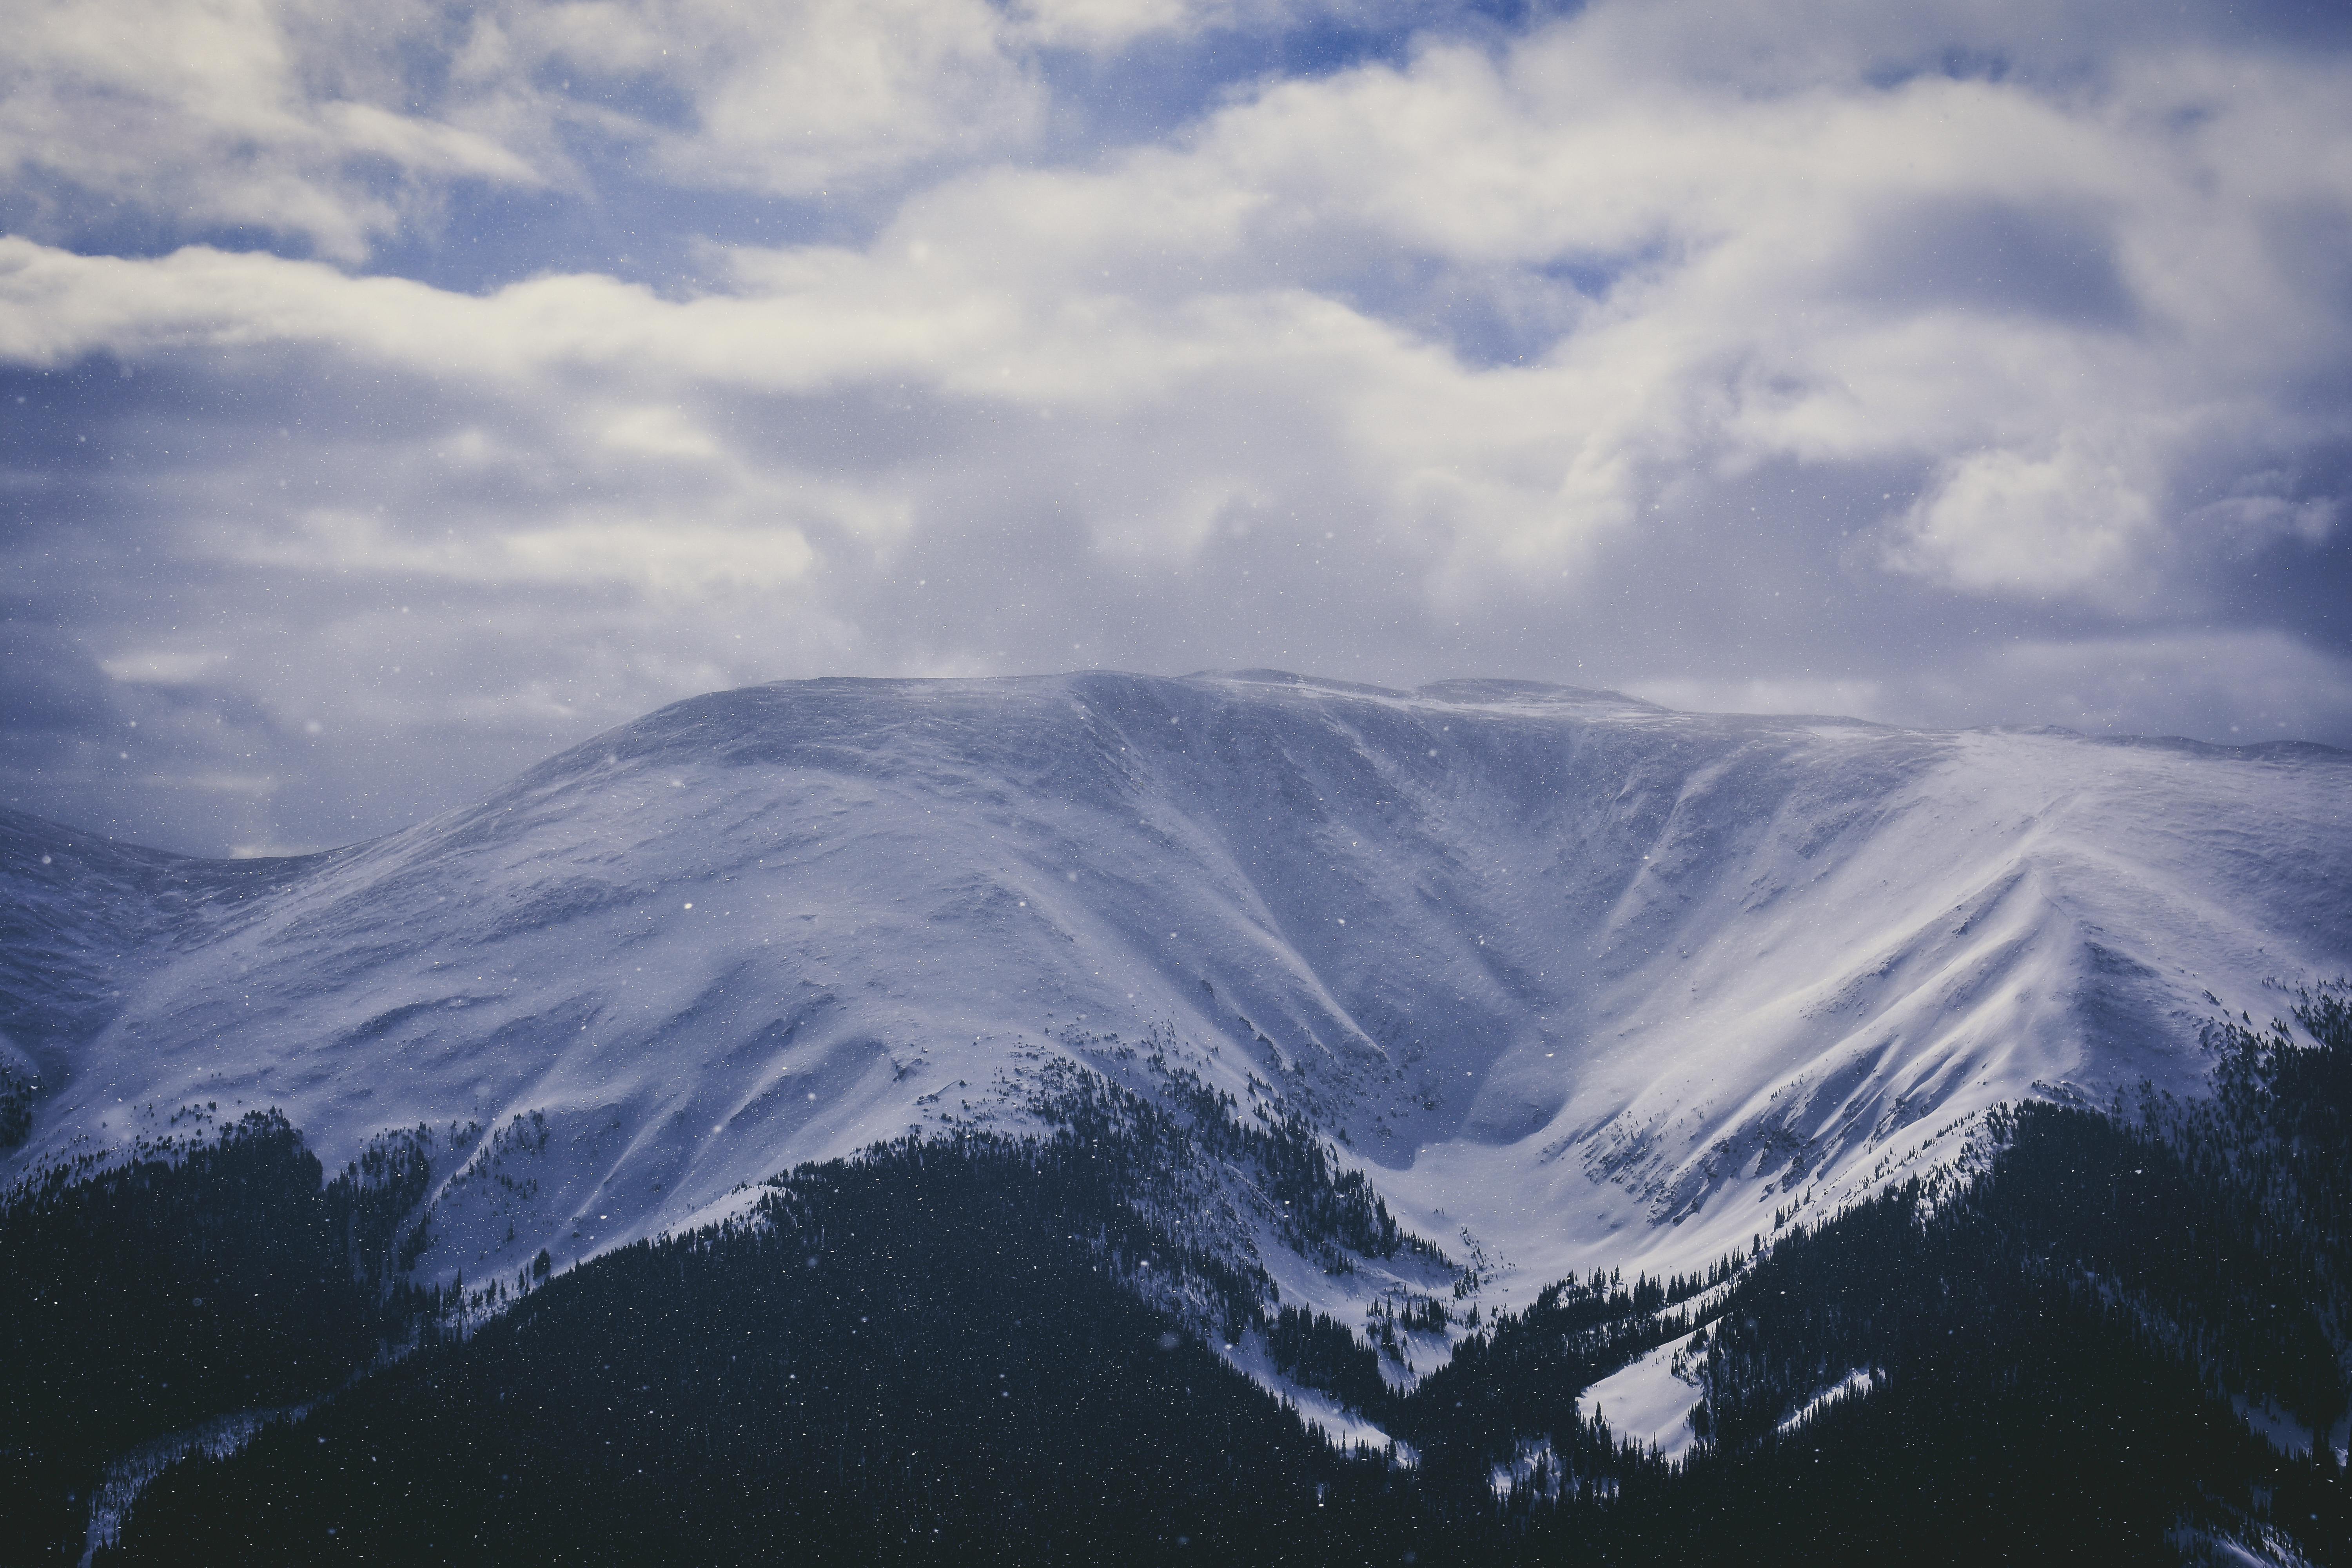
(1647, 1402)
(1341, 1428)
(1859, 1381)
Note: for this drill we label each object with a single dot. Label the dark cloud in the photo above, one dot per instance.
(1993, 256)
(54, 698)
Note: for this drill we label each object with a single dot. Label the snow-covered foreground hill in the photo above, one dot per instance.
(1596, 982)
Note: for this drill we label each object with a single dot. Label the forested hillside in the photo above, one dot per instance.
(985, 1349)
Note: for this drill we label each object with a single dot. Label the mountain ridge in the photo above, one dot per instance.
(1597, 982)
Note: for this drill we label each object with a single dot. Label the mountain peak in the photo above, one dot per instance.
(1584, 977)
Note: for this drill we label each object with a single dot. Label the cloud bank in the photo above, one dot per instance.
(387, 404)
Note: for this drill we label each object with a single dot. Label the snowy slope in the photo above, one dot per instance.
(1597, 982)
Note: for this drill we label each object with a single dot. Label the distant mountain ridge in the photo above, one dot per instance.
(1578, 980)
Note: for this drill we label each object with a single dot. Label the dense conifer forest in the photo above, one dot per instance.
(207, 1275)
(995, 1349)
(926, 1355)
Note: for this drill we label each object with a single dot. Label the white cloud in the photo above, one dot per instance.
(229, 114)
(792, 97)
(1529, 355)
(1856, 696)
(1101, 23)
(2069, 522)
(671, 558)
(1747, 300)
(321, 124)
(2233, 687)
(173, 667)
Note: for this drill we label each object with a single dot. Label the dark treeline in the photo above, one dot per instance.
(2021, 1403)
(927, 1355)
(988, 1350)
(210, 1276)
(1521, 1377)
(1322, 1209)
(2052, 1348)
(964, 1374)
(2269, 1154)
(2047, 1352)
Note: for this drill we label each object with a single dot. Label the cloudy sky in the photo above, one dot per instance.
(393, 394)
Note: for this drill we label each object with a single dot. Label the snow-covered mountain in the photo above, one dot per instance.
(1593, 981)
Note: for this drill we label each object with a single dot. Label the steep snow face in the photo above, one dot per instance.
(1594, 982)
